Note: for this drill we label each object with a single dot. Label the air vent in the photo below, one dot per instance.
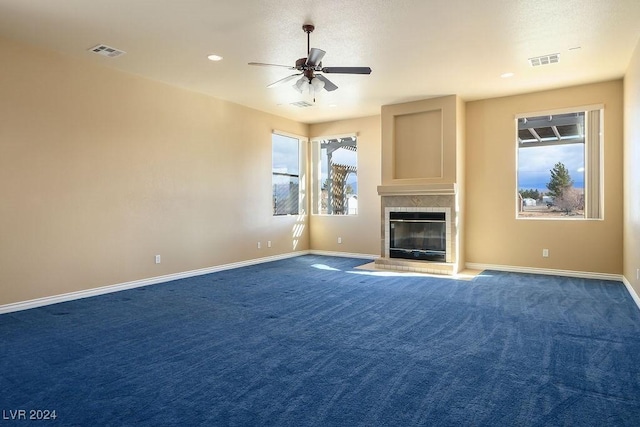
(107, 51)
(544, 60)
(302, 104)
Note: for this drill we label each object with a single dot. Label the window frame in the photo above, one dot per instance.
(593, 159)
(316, 173)
(300, 140)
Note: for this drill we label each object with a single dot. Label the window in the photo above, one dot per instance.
(285, 180)
(335, 176)
(559, 165)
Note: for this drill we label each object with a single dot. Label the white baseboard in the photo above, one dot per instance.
(39, 302)
(631, 291)
(547, 271)
(344, 254)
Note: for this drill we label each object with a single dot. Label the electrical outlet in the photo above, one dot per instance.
(545, 253)
(339, 240)
(259, 245)
(157, 259)
(268, 243)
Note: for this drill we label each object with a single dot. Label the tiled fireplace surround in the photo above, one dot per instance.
(419, 203)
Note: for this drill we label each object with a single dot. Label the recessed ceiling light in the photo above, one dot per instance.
(506, 75)
(214, 58)
(333, 105)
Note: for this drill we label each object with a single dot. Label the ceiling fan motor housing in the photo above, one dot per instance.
(301, 64)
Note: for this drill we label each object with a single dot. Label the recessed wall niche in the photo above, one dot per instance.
(417, 147)
(420, 142)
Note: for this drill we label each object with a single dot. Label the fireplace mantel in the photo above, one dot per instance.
(417, 190)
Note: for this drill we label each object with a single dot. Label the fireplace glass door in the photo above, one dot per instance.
(418, 235)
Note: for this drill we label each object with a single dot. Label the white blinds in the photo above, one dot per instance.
(593, 163)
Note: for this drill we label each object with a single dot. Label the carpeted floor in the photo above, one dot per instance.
(313, 341)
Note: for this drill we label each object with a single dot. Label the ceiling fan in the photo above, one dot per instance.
(310, 68)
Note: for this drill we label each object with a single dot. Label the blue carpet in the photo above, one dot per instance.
(312, 341)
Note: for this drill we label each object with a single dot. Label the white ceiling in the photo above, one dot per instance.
(416, 48)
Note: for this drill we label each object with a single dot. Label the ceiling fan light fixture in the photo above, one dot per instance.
(317, 84)
(299, 85)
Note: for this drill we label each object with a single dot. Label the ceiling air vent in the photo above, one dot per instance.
(544, 59)
(107, 51)
(302, 104)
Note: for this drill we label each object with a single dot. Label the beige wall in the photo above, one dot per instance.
(492, 234)
(100, 171)
(632, 171)
(360, 233)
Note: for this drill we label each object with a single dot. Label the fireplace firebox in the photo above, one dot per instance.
(418, 235)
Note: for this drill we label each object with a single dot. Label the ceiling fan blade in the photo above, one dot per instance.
(347, 70)
(315, 56)
(285, 80)
(262, 64)
(328, 84)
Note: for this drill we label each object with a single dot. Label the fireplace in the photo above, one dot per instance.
(418, 233)
(418, 236)
(422, 176)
